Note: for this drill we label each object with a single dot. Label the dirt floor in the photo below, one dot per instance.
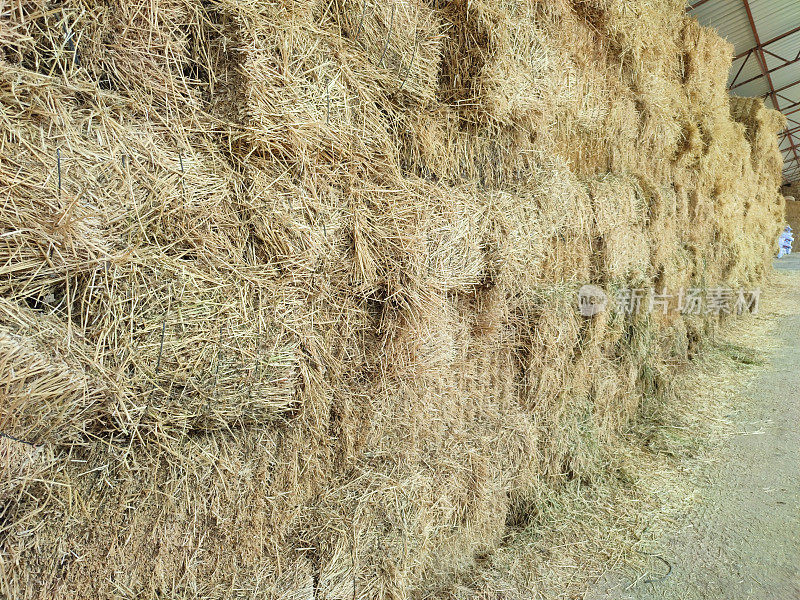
(742, 539)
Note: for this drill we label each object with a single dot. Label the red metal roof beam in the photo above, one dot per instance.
(786, 87)
(785, 132)
(759, 76)
(759, 45)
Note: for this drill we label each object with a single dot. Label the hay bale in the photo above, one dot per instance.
(20, 462)
(50, 391)
(151, 55)
(764, 206)
(793, 213)
(304, 300)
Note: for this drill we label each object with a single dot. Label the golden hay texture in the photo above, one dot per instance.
(287, 289)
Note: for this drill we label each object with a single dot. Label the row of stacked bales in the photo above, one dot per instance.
(791, 191)
(288, 288)
(766, 163)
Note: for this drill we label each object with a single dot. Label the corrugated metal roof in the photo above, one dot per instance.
(773, 16)
(772, 20)
(750, 71)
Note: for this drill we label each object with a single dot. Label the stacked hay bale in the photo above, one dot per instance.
(791, 194)
(288, 289)
(761, 124)
(793, 213)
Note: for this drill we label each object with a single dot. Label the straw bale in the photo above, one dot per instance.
(792, 213)
(403, 38)
(761, 125)
(50, 392)
(21, 464)
(151, 45)
(299, 320)
(620, 215)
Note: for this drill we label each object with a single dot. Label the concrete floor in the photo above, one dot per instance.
(790, 262)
